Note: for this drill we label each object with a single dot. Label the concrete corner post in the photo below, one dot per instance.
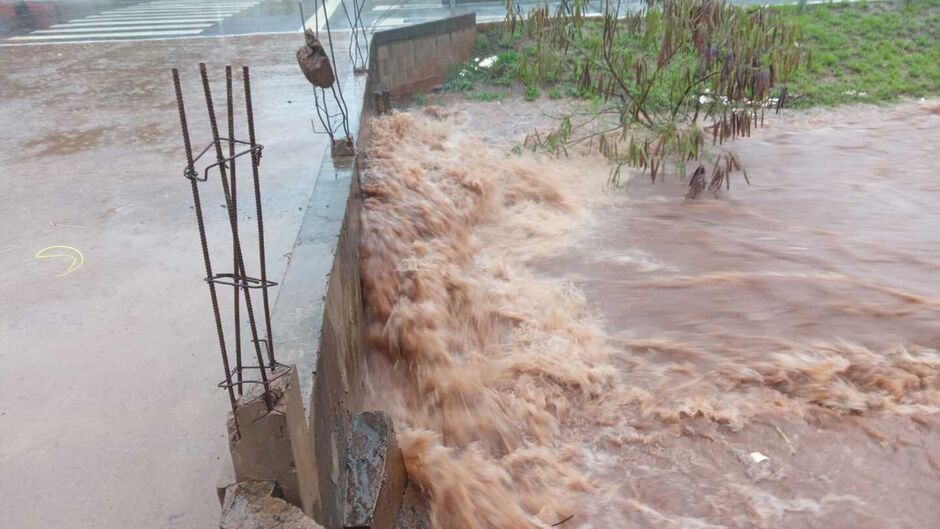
(276, 445)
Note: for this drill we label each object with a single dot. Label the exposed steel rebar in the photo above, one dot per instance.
(233, 221)
(230, 107)
(197, 206)
(255, 161)
(337, 85)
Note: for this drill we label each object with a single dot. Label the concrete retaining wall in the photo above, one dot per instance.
(338, 382)
(419, 57)
(402, 60)
(318, 316)
(318, 313)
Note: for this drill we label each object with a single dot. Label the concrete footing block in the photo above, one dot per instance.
(376, 473)
(257, 505)
(275, 445)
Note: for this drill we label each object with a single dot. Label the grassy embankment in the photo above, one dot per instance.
(861, 52)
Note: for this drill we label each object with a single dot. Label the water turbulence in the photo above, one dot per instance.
(555, 351)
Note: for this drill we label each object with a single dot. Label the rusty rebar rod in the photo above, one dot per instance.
(230, 108)
(359, 39)
(197, 205)
(338, 85)
(234, 221)
(255, 161)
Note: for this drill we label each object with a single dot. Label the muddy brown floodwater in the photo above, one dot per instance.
(553, 350)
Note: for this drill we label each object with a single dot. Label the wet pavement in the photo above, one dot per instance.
(23, 22)
(109, 411)
(41, 22)
(76, 21)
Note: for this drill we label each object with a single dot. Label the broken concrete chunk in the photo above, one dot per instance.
(415, 509)
(376, 473)
(314, 63)
(255, 505)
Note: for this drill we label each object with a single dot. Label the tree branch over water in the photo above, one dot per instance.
(675, 71)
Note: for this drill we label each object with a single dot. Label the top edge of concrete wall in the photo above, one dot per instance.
(424, 29)
(417, 58)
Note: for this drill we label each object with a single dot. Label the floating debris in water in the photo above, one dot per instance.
(489, 61)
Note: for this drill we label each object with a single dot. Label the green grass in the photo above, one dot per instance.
(884, 50)
(861, 52)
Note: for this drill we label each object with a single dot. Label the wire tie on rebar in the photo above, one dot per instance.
(241, 282)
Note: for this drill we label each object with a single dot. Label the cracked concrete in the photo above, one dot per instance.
(376, 473)
(257, 504)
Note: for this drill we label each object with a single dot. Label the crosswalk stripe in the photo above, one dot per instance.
(323, 12)
(92, 30)
(154, 19)
(138, 17)
(189, 9)
(127, 34)
(82, 24)
(230, 11)
(191, 6)
(197, 4)
(161, 18)
(194, 5)
(181, 8)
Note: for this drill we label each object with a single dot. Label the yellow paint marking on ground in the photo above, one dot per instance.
(72, 253)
